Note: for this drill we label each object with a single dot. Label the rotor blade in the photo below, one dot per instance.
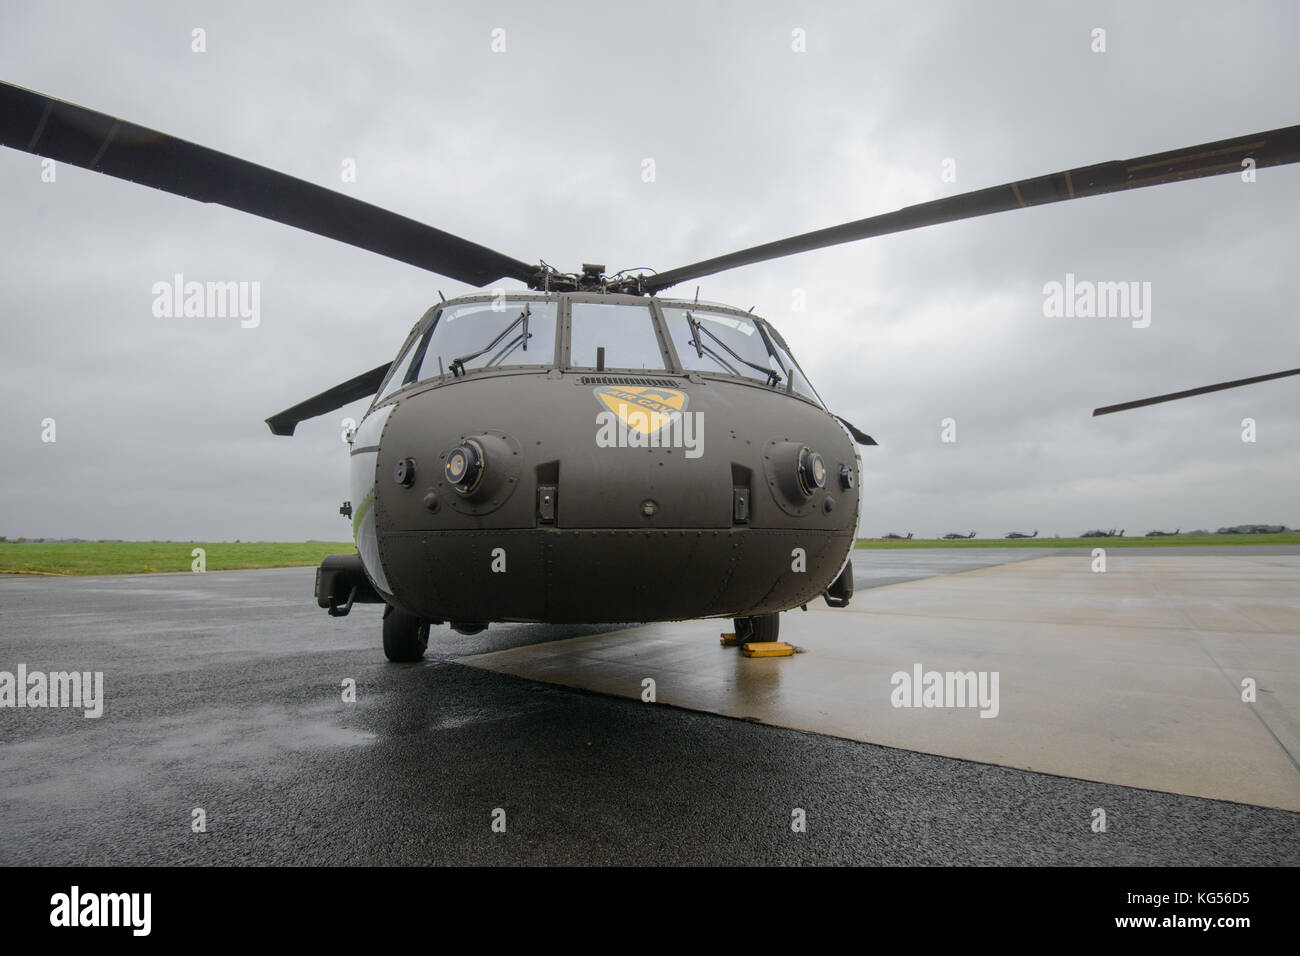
(364, 385)
(1275, 148)
(859, 436)
(70, 134)
(1124, 406)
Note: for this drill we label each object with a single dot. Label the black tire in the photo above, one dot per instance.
(757, 630)
(406, 637)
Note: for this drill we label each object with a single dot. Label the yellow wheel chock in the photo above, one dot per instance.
(767, 649)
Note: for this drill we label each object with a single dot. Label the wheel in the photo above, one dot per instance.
(758, 629)
(405, 636)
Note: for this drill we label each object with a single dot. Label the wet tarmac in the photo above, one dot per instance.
(225, 693)
(1136, 675)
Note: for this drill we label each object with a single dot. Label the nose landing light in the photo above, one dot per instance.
(479, 472)
(465, 466)
(796, 476)
(811, 472)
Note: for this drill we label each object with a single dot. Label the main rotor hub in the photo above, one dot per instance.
(592, 278)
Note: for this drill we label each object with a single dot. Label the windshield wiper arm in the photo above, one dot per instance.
(507, 350)
(701, 349)
(458, 364)
(722, 363)
(772, 376)
(695, 333)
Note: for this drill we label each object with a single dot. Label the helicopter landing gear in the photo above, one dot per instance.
(405, 636)
(755, 630)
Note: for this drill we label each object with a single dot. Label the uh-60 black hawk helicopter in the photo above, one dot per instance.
(589, 450)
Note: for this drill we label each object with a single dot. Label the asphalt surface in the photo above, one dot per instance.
(224, 692)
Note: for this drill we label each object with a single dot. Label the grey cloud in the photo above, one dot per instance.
(537, 152)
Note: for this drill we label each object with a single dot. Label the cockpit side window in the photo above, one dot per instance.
(398, 378)
(790, 370)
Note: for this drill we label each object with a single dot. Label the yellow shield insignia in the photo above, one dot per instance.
(642, 408)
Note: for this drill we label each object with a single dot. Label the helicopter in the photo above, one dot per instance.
(1163, 534)
(891, 536)
(1020, 534)
(588, 450)
(955, 536)
(1098, 533)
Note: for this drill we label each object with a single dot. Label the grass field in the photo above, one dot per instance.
(147, 557)
(1179, 540)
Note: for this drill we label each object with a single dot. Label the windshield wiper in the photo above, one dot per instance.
(458, 364)
(776, 354)
(507, 350)
(772, 376)
(700, 348)
(721, 362)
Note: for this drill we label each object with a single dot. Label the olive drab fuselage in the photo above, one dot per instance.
(543, 489)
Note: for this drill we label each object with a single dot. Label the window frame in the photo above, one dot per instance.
(771, 337)
(716, 310)
(561, 357)
(666, 355)
(419, 337)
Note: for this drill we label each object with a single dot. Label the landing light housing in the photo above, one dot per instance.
(811, 471)
(465, 466)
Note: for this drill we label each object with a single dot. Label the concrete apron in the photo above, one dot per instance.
(1132, 676)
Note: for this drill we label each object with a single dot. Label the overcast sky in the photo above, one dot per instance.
(538, 152)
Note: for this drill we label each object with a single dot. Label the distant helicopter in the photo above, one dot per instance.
(1021, 534)
(585, 451)
(1097, 533)
(954, 536)
(1163, 534)
(898, 537)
